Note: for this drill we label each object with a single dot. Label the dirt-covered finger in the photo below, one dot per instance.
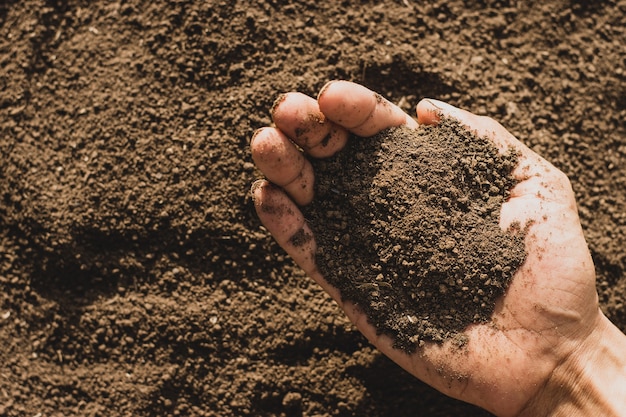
(299, 117)
(285, 222)
(284, 165)
(359, 109)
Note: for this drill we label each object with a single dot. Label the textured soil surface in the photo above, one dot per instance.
(135, 278)
(407, 227)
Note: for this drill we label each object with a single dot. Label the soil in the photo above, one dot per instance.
(407, 226)
(135, 277)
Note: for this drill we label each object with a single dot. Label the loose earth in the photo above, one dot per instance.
(407, 224)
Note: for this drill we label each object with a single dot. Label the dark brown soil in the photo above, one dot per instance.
(135, 278)
(407, 226)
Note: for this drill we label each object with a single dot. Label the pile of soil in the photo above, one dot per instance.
(135, 277)
(407, 225)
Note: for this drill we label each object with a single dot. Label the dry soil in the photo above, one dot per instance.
(407, 228)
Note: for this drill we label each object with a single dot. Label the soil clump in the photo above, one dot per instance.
(407, 223)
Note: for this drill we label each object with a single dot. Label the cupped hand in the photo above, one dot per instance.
(550, 308)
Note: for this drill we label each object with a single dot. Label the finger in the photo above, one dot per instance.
(429, 111)
(359, 109)
(284, 165)
(299, 117)
(282, 218)
(285, 222)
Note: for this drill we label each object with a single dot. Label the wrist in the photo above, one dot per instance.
(591, 381)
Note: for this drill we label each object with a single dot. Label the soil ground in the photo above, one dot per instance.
(135, 277)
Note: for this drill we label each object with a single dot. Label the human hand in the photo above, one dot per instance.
(543, 329)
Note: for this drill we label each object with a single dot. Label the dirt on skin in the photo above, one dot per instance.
(135, 278)
(407, 227)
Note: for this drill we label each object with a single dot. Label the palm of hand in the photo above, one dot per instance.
(551, 303)
(550, 306)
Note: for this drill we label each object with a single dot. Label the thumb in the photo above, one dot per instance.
(429, 112)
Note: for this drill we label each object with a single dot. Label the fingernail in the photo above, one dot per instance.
(254, 135)
(435, 103)
(277, 102)
(323, 90)
(255, 186)
(442, 105)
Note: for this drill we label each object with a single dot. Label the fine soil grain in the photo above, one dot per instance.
(407, 223)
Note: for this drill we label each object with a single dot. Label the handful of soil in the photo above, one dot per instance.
(407, 226)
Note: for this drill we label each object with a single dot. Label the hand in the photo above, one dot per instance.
(546, 329)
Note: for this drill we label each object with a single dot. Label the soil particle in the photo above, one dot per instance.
(407, 223)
